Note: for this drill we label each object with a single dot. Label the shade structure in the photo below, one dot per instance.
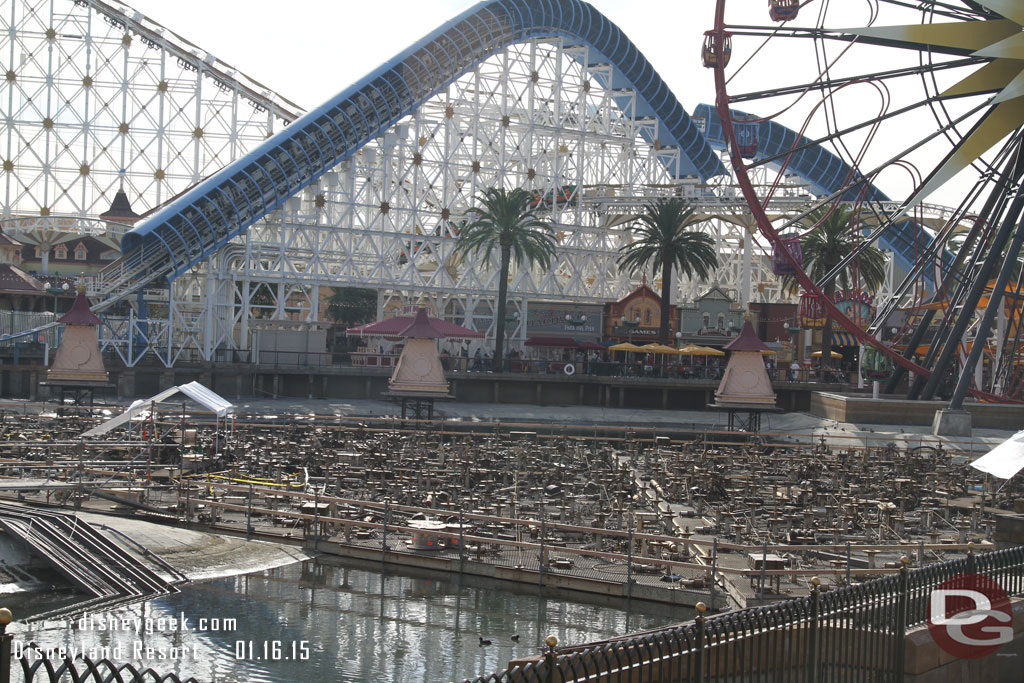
(844, 339)
(590, 346)
(194, 390)
(420, 326)
(1005, 460)
(708, 351)
(769, 352)
(624, 346)
(817, 354)
(691, 350)
(659, 348)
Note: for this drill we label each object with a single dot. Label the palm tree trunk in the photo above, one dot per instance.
(666, 295)
(499, 327)
(826, 331)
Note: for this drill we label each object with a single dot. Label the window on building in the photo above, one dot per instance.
(60, 252)
(81, 253)
(706, 320)
(647, 317)
(721, 321)
(39, 253)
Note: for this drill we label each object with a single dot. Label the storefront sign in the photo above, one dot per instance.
(549, 320)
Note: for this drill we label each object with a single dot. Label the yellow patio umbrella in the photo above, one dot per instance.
(624, 346)
(817, 354)
(691, 350)
(708, 351)
(768, 352)
(658, 348)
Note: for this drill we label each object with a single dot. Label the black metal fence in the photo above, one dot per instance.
(855, 633)
(85, 670)
(33, 666)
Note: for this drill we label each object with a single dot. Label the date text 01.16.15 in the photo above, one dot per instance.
(271, 650)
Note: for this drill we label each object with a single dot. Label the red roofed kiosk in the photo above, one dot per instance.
(78, 364)
(418, 378)
(745, 388)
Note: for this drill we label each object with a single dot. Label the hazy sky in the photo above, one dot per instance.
(308, 50)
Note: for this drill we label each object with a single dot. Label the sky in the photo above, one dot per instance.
(309, 50)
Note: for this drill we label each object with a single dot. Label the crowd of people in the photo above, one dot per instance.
(626, 364)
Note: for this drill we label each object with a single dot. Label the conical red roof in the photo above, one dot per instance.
(80, 313)
(747, 340)
(421, 326)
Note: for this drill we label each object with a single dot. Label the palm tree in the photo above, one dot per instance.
(664, 242)
(505, 221)
(824, 247)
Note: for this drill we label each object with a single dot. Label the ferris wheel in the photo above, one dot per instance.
(905, 118)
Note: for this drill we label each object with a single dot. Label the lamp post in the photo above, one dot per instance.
(57, 291)
(794, 330)
(575, 322)
(630, 325)
(5, 644)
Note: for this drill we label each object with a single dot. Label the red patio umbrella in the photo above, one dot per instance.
(420, 326)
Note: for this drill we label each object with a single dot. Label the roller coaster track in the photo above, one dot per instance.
(202, 220)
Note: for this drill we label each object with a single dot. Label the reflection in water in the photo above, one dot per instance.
(317, 622)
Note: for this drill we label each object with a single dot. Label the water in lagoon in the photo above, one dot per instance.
(312, 621)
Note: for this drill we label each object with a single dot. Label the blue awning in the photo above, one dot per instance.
(844, 339)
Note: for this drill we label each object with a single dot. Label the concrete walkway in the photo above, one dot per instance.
(781, 427)
(795, 427)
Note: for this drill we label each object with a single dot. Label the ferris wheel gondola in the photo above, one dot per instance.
(882, 106)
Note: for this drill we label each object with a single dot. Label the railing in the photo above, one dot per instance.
(855, 633)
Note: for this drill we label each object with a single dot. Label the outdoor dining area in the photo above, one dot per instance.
(565, 355)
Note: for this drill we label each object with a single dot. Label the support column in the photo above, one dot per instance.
(745, 274)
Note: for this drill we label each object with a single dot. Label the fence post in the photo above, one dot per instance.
(764, 571)
(848, 578)
(248, 515)
(902, 600)
(316, 515)
(813, 653)
(5, 645)
(629, 565)
(462, 544)
(714, 567)
(384, 540)
(540, 564)
(549, 659)
(698, 654)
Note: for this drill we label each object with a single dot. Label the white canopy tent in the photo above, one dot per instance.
(194, 390)
(1005, 460)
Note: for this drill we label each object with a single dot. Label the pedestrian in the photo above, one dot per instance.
(794, 371)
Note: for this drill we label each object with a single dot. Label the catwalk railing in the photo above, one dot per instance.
(856, 633)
